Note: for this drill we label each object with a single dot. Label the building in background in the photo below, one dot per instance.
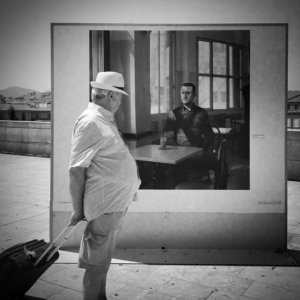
(293, 109)
(27, 111)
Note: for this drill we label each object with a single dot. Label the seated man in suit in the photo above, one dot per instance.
(189, 125)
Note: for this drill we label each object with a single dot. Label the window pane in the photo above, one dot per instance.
(164, 72)
(219, 93)
(159, 72)
(154, 69)
(204, 92)
(234, 61)
(234, 93)
(219, 58)
(203, 57)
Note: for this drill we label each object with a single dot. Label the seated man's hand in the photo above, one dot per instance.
(76, 218)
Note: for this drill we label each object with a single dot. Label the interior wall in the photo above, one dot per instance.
(142, 81)
(130, 56)
(122, 60)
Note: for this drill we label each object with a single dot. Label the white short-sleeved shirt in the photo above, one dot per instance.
(111, 172)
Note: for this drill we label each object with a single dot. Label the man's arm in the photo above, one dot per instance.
(171, 128)
(76, 188)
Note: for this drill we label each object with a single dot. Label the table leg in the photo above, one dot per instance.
(157, 177)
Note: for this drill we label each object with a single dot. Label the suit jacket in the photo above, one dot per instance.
(195, 124)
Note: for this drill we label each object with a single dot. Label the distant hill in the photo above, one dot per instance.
(15, 91)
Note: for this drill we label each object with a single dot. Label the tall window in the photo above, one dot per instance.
(219, 75)
(159, 72)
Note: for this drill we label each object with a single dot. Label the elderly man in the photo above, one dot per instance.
(189, 125)
(103, 181)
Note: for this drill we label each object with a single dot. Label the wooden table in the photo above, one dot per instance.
(172, 155)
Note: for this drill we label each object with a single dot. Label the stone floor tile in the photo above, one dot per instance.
(272, 277)
(11, 230)
(185, 290)
(113, 286)
(296, 191)
(35, 226)
(6, 242)
(44, 289)
(292, 198)
(294, 229)
(18, 205)
(4, 219)
(187, 273)
(11, 212)
(72, 266)
(289, 270)
(116, 271)
(141, 267)
(144, 280)
(35, 235)
(293, 241)
(263, 291)
(67, 294)
(128, 292)
(149, 295)
(52, 270)
(228, 270)
(36, 209)
(222, 295)
(41, 217)
(294, 222)
(68, 278)
(25, 213)
(226, 283)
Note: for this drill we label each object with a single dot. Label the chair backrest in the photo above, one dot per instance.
(217, 139)
(221, 120)
(228, 121)
(237, 127)
(221, 173)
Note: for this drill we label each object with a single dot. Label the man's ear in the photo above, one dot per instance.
(110, 95)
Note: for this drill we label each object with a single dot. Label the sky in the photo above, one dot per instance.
(25, 53)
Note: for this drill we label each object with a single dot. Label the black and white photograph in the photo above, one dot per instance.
(196, 96)
(149, 149)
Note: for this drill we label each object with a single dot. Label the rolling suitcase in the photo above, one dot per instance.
(23, 264)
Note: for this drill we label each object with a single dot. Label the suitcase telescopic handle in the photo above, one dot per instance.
(67, 231)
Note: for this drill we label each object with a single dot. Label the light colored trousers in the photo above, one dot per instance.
(97, 245)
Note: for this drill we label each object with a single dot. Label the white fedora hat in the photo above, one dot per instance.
(111, 81)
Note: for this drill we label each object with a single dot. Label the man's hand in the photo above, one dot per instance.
(76, 218)
(135, 197)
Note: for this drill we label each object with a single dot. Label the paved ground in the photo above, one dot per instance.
(24, 215)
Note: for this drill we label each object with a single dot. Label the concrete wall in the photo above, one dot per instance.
(24, 137)
(293, 154)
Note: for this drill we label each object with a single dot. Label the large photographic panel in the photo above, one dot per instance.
(253, 218)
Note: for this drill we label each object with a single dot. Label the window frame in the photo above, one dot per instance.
(160, 117)
(211, 75)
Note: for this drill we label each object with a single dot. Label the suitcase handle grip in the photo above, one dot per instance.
(66, 232)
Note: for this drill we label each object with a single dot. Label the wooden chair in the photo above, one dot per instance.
(221, 174)
(221, 120)
(203, 168)
(237, 135)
